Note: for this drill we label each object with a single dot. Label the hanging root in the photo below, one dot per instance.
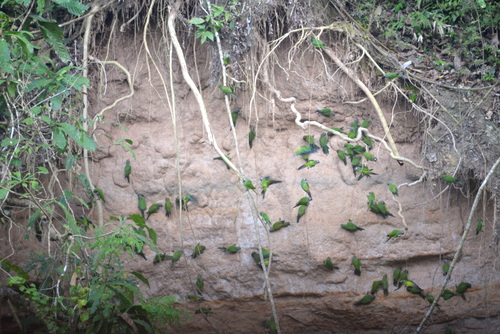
(461, 245)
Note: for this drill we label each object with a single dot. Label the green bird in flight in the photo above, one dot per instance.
(265, 182)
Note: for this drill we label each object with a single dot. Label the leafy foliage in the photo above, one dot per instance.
(205, 27)
(446, 29)
(83, 285)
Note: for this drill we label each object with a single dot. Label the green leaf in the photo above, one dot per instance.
(36, 110)
(141, 277)
(32, 219)
(80, 138)
(138, 220)
(53, 36)
(152, 235)
(73, 6)
(4, 192)
(70, 160)
(47, 120)
(42, 170)
(11, 141)
(59, 138)
(12, 89)
(76, 81)
(40, 5)
(41, 83)
(28, 121)
(196, 21)
(7, 266)
(5, 57)
(24, 42)
(56, 102)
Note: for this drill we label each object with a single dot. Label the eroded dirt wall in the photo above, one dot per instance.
(308, 297)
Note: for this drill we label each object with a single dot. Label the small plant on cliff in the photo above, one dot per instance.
(213, 21)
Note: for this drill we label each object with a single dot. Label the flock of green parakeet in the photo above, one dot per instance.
(359, 156)
(400, 278)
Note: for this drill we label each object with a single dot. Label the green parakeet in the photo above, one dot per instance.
(198, 250)
(339, 130)
(200, 284)
(367, 299)
(402, 278)
(160, 257)
(368, 142)
(445, 267)
(363, 170)
(176, 257)
(301, 212)
(100, 194)
(375, 287)
(390, 75)
(84, 222)
(430, 300)
(183, 203)
(393, 189)
(168, 207)
(195, 298)
(248, 184)
(232, 249)
(385, 285)
(305, 186)
(357, 265)
(228, 158)
(394, 234)
(251, 136)
(153, 209)
(271, 325)
(310, 140)
(256, 258)
(413, 288)
(326, 112)
(395, 276)
(265, 217)
(366, 123)
(323, 142)
(448, 294)
(329, 264)
(351, 227)
(479, 226)
(462, 289)
(127, 170)
(204, 310)
(305, 150)
(265, 182)
(234, 116)
(451, 179)
(303, 201)
(309, 164)
(341, 154)
(368, 156)
(383, 210)
(317, 43)
(279, 225)
(226, 90)
(354, 129)
(141, 204)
